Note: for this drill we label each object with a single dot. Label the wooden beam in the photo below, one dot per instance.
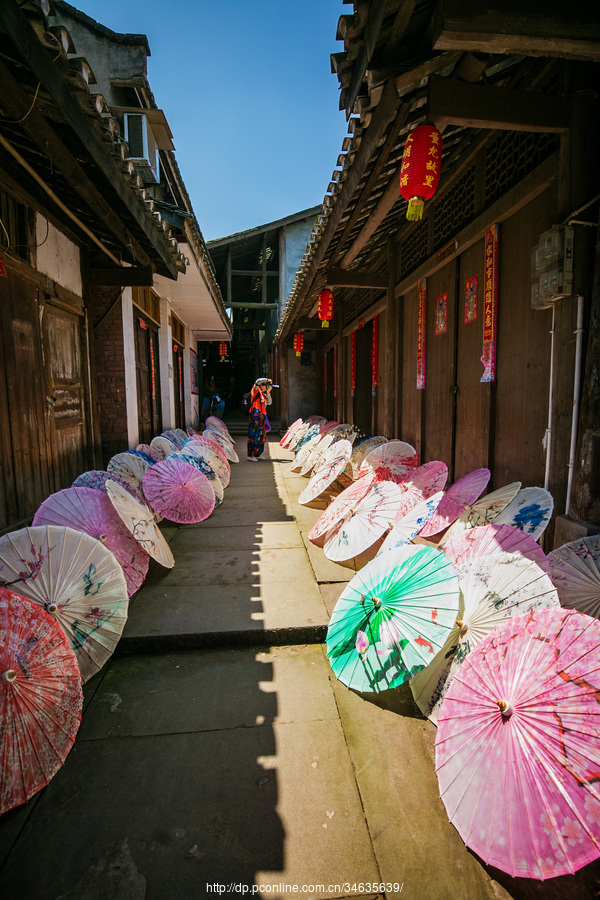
(569, 30)
(354, 279)
(41, 64)
(452, 102)
(371, 32)
(127, 276)
(18, 105)
(253, 305)
(312, 323)
(257, 272)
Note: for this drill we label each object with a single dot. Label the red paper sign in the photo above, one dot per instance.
(471, 299)
(421, 332)
(375, 353)
(3, 271)
(490, 300)
(152, 367)
(441, 313)
(353, 369)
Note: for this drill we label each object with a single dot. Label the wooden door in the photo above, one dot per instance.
(363, 400)
(146, 377)
(178, 386)
(440, 384)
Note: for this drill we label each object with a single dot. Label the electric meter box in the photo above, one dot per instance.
(552, 267)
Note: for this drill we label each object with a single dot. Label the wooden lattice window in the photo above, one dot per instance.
(454, 210)
(14, 226)
(148, 300)
(511, 157)
(177, 330)
(414, 248)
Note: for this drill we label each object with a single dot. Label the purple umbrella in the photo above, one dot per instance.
(89, 510)
(179, 491)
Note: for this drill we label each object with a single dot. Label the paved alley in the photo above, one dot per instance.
(219, 754)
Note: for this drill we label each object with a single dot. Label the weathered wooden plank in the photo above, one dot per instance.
(126, 276)
(355, 279)
(452, 102)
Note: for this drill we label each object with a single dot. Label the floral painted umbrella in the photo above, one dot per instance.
(518, 745)
(76, 579)
(97, 478)
(575, 570)
(421, 484)
(339, 508)
(305, 451)
(225, 443)
(409, 525)
(333, 461)
(493, 589)
(290, 433)
(204, 467)
(392, 618)
(530, 511)
(360, 453)
(204, 451)
(458, 496)
(392, 461)
(149, 451)
(483, 511)
(129, 467)
(487, 539)
(179, 491)
(176, 436)
(40, 698)
(141, 523)
(365, 523)
(301, 439)
(315, 456)
(163, 446)
(216, 422)
(201, 441)
(90, 510)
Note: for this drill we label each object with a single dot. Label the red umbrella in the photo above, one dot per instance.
(179, 491)
(40, 698)
(90, 510)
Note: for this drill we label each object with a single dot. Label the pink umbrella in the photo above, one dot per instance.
(149, 451)
(364, 524)
(458, 496)
(518, 745)
(179, 491)
(392, 461)
(205, 452)
(201, 440)
(89, 510)
(487, 539)
(163, 446)
(96, 478)
(333, 461)
(339, 507)
(421, 484)
(290, 433)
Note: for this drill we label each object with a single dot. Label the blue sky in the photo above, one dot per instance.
(247, 90)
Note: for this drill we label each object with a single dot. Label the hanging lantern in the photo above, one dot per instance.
(420, 171)
(223, 351)
(325, 307)
(299, 342)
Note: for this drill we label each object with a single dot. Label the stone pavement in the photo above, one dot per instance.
(218, 753)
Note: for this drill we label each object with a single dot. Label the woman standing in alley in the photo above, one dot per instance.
(260, 397)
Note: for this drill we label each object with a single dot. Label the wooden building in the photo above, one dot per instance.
(503, 264)
(81, 244)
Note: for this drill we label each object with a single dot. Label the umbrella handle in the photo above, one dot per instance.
(505, 708)
(9, 676)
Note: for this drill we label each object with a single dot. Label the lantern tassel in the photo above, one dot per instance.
(324, 324)
(414, 211)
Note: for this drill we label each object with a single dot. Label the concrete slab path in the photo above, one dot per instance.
(218, 753)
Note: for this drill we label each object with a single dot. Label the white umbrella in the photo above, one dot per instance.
(364, 524)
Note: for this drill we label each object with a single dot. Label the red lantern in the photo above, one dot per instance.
(299, 342)
(421, 166)
(223, 351)
(325, 307)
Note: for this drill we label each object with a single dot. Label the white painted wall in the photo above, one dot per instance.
(191, 401)
(133, 434)
(165, 361)
(57, 256)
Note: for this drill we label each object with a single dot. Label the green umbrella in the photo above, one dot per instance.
(392, 618)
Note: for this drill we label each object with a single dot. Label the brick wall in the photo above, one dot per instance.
(109, 368)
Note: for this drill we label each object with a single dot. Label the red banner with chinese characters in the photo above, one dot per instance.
(353, 366)
(421, 332)
(375, 354)
(152, 367)
(490, 302)
(335, 351)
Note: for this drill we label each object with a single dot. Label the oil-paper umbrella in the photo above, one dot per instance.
(365, 524)
(339, 508)
(90, 510)
(179, 491)
(301, 439)
(204, 467)
(493, 589)
(483, 511)
(201, 440)
(40, 698)
(141, 523)
(333, 461)
(290, 433)
(97, 478)
(314, 457)
(129, 467)
(360, 453)
(575, 570)
(163, 446)
(204, 451)
(409, 525)
(216, 422)
(530, 511)
(305, 451)
(392, 618)
(176, 436)
(487, 539)
(298, 435)
(149, 451)
(76, 579)
(392, 461)
(455, 500)
(518, 745)
(225, 443)
(421, 484)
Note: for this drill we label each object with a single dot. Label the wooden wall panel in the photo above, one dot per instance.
(440, 371)
(364, 398)
(523, 353)
(411, 399)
